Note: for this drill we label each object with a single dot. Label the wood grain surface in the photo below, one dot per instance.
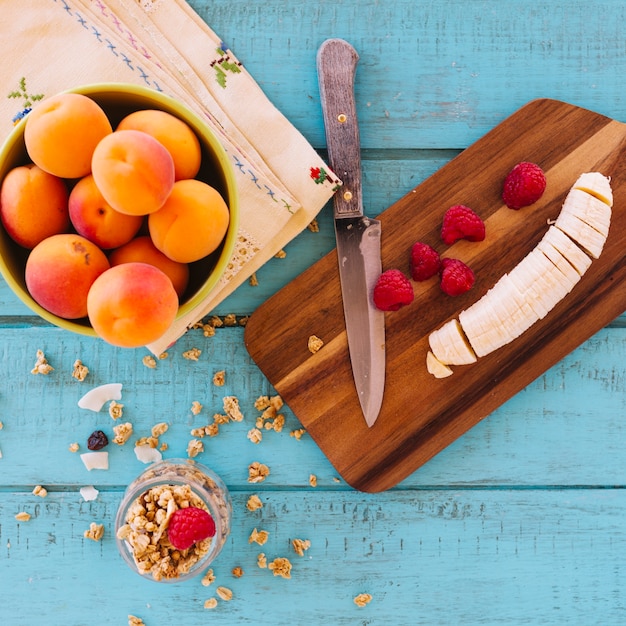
(421, 415)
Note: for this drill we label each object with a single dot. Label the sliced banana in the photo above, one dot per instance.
(449, 345)
(436, 367)
(577, 257)
(535, 285)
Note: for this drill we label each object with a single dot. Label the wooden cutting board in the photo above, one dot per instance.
(420, 414)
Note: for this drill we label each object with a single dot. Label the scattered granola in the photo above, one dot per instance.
(163, 356)
(225, 593)
(194, 447)
(22, 516)
(254, 503)
(196, 407)
(313, 480)
(79, 371)
(253, 280)
(297, 434)
(314, 344)
(74, 447)
(95, 532)
(300, 546)
(40, 491)
(230, 319)
(281, 254)
(281, 566)
(257, 472)
(362, 599)
(149, 361)
(41, 364)
(122, 433)
(135, 621)
(237, 572)
(208, 578)
(116, 410)
(231, 407)
(261, 560)
(314, 226)
(211, 603)
(261, 403)
(219, 378)
(218, 418)
(159, 429)
(258, 536)
(193, 354)
(255, 435)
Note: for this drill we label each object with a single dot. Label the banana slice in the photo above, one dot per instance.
(449, 345)
(586, 236)
(577, 257)
(589, 209)
(597, 185)
(436, 367)
(535, 285)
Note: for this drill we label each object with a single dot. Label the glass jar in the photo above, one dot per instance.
(143, 515)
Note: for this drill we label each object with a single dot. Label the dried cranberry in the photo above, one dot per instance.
(97, 440)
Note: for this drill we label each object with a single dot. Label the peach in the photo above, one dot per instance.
(62, 132)
(142, 250)
(60, 270)
(33, 205)
(134, 172)
(173, 133)
(132, 304)
(192, 223)
(95, 219)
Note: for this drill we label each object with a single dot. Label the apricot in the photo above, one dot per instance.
(33, 205)
(62, 132)
(192, 223)
(134, 171)
(177, 136)
(60, 270)
(142, 250)
(94, 218)
(132, 304)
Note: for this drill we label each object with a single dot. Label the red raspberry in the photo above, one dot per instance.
(460, 222)
(456, 277)
(392, 291)
(188, 526)
(424, 262)
(523, 185)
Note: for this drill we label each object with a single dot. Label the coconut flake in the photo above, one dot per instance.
(97, 397)
(95, 460)
(147, 454)
(89, 493)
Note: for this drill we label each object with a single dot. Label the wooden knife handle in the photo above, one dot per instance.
(336, 68)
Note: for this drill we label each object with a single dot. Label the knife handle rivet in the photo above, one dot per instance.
(342, 118)
(347, 195)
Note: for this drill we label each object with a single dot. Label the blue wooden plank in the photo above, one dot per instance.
(566, 428)
(432, 74)
(460, 557)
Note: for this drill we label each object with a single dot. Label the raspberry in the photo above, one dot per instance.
(392, 291)
(460, 222)
(425, 261)
(456, 277)
(523, 185)
(188, 526)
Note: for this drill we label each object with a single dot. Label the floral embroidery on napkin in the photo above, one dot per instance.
(321, 176)
(224, 64)
(21, 93)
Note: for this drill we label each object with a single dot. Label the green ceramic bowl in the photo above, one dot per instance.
(118, 100)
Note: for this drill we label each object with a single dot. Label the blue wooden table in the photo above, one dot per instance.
(520, 521)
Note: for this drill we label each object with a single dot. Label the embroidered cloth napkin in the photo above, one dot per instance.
(52, 45)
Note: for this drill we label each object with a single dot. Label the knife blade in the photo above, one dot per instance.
(358, 236)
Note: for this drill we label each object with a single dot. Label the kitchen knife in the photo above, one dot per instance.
(358, 236)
